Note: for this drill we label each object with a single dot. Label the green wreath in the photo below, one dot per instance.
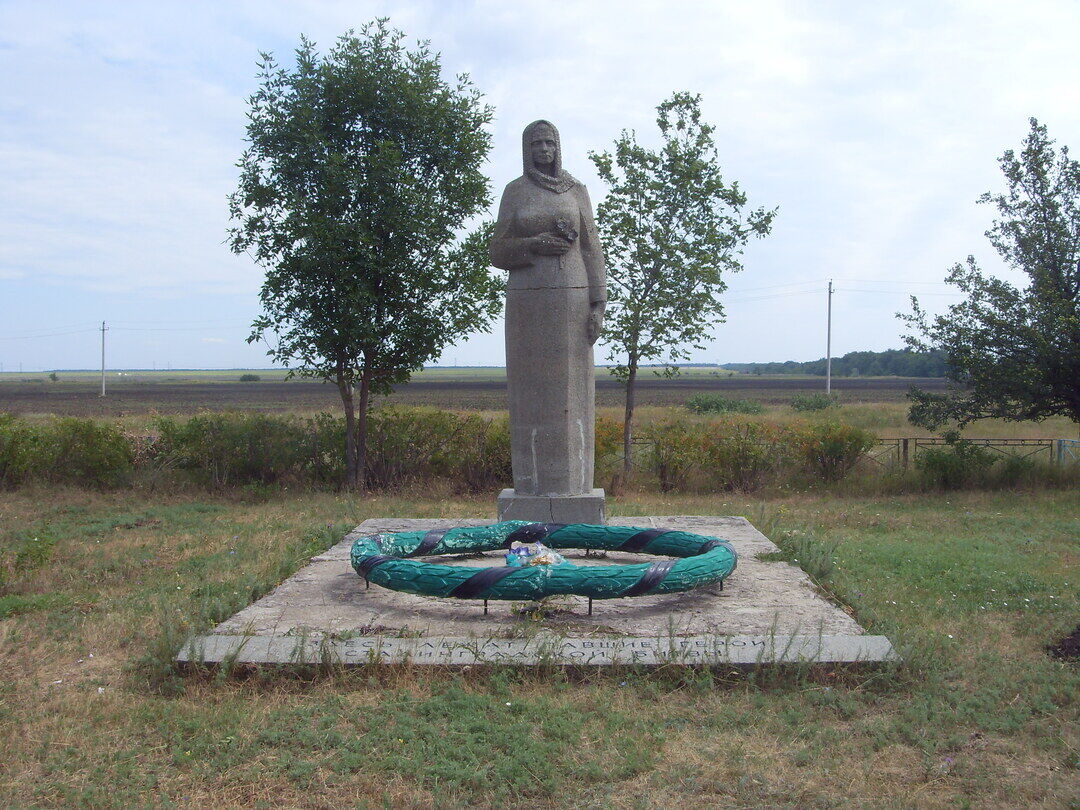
(380, 558)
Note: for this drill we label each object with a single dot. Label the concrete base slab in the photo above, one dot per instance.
(326, 602)
(552, 508)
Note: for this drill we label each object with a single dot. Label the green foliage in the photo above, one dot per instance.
(363, 168)
(744, 456)
(15, 452)
(891, 362)
(831, 449)
(721, 455)
(674, 454)
(228, 449)
(410, 445)
(85, 452)
(406, 446)
(671, 227)
(249, 378)
(814, 402)
(1015, 353)
(716, 403)
(958, 464)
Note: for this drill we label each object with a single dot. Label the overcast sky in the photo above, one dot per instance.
(873, 126)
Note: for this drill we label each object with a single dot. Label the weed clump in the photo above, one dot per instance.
(814, 402)
(958, 464)
(715, 403)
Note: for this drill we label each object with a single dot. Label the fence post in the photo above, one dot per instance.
(904, 452)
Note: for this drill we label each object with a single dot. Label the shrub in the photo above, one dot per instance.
(226, 449)
(15, 438)
(724, 454)
(958, 464)
(715, 403)
(831, 449)
(814, 402)
(72, 451)
(675, 453)
(744, 456)
(1014, 469)
(409, 445)
(608, 449)
(249, 378)
(89, 453)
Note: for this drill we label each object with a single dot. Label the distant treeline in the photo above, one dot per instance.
(891, 363)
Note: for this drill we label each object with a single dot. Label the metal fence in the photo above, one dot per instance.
(1068, 451)
(903, 451)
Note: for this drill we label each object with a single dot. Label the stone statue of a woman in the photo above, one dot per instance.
(546, 238)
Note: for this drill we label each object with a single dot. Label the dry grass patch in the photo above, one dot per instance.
(980, 719)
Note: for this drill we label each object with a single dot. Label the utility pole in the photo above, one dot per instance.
(103, 331)
(828, 344)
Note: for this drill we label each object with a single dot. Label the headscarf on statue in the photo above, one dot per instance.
(559, 182)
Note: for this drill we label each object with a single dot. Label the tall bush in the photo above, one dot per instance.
(745, 456)
(84, 452)
(722, 454)
(958, 464)
(228, 449)
(831, 449)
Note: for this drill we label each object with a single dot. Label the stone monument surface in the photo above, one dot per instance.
(768, 611)
(546, 238)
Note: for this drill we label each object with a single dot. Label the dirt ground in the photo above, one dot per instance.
(125, 398)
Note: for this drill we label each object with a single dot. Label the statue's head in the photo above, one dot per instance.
(541, 149)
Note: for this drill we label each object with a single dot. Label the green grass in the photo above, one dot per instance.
(971, 586)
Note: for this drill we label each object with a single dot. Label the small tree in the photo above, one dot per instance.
(1014, 353)
(671, 227)
(361, 170)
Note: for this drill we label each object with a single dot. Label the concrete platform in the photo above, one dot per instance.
(767, 611)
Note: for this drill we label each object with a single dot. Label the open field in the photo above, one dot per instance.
(76, 393)
(877, 404)
(96, 591)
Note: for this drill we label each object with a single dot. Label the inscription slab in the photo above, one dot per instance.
(599, 651)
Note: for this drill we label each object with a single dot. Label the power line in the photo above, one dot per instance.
(774, 286)
(161, 321)
(50, 334)
(178, 328)
(80, 325)
(886, 281)
(896, 292)
(774, 295)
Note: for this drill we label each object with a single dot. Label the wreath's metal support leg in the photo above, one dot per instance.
(485, 607)
(721, 584)
(590, 606)
(367, 583)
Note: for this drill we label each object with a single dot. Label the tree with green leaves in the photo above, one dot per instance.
(361, 173)
(1014, 353)
(671, 227)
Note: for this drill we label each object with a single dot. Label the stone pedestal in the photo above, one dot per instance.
(588, 508)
